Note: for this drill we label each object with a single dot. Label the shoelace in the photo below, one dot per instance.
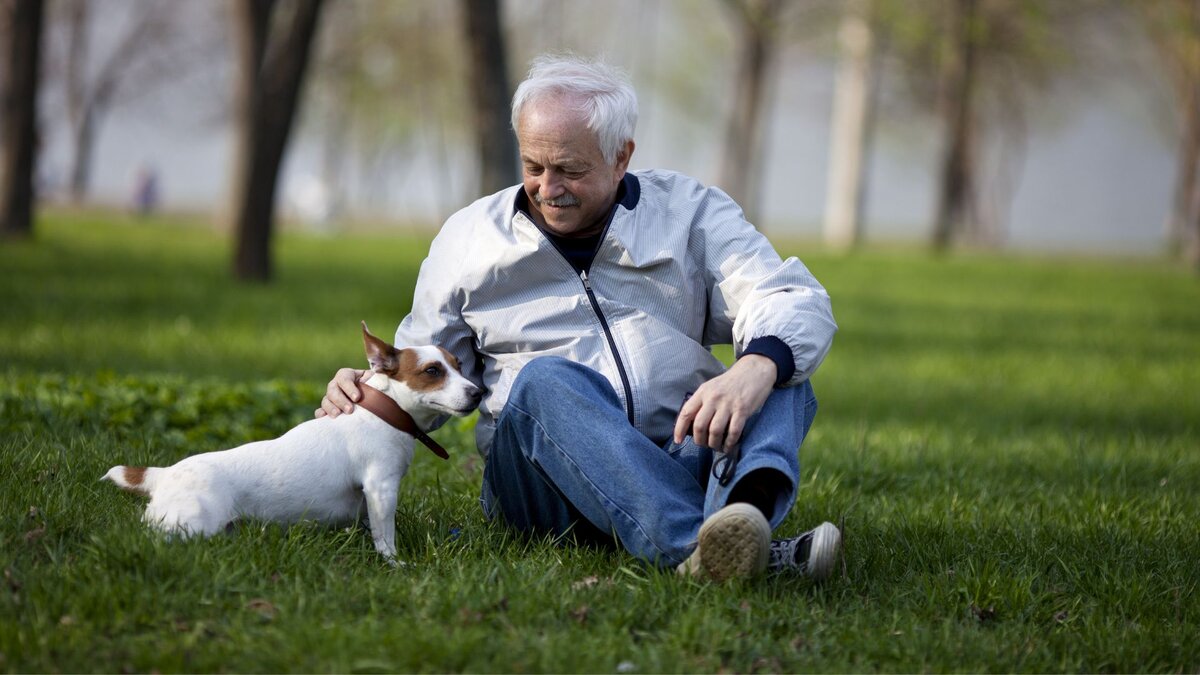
(783, 552)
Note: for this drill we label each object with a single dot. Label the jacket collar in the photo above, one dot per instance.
(629, 192)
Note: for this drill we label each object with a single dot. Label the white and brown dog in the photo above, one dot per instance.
(325, 469)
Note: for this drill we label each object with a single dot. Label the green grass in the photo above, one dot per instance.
(1014, 443)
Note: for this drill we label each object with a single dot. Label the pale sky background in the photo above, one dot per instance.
(1094, 173)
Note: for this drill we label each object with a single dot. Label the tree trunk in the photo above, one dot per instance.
(81, 159)
(1183, 225)
(20, 117)
(851, 120)
(490, 95)
(271, 71)
(956, 202)
(79, 112)
(740, 163)
(1186, 202)
(1191, 225)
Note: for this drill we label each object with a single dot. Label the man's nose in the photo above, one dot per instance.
(550, 185)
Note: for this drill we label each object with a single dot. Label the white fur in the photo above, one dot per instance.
(325, 469)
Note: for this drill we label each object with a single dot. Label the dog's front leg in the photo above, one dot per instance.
(381, 511)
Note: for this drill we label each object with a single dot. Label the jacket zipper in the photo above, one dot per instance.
(612, 344)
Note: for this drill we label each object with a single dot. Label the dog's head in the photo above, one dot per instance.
(428, 379)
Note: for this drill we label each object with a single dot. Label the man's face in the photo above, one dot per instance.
(570, 187)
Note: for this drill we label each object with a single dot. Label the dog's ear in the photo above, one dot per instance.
(383, 357)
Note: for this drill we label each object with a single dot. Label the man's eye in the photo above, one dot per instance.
(533, 170)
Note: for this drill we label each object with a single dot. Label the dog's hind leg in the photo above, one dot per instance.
(187, 516)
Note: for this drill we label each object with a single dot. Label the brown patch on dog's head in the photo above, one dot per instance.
(451, 359)
(134, 475)
(419, 375)
(382, 356)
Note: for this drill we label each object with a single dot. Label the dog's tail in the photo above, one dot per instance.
(139, 479)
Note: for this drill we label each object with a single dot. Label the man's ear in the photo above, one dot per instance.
(623, 157)
(383, 357)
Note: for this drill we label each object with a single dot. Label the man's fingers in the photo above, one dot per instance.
(683, 423)
(341, 393)
(701, 425)
(329, 408)
(347, 381)
(336, 399)
(717, 430)
(733, 435)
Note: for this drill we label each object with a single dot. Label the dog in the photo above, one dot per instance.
(326, 469)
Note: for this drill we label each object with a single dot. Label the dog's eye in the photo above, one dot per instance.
(433, 371)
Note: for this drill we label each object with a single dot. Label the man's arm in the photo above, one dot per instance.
(774, 312)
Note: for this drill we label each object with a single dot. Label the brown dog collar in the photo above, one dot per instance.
(386, 409)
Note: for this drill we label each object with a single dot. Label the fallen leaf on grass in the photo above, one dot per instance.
(263, 608)
(468, 615)
(35, 534)
(983, 614)
(13, 584)
(586, 582)
(580, 614)
(766, 665)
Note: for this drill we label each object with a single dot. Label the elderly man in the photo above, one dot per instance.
(585, 301)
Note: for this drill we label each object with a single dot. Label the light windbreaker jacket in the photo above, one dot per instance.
(677, 270)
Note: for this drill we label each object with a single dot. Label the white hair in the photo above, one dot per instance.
(602, 94)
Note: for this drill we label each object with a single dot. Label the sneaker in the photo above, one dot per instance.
(733, 542)
(813, 553)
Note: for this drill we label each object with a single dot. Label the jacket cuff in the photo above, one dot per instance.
(776, 350)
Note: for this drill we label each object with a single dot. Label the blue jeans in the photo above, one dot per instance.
(565, 459)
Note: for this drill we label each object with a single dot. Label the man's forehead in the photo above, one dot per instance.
(554, 115)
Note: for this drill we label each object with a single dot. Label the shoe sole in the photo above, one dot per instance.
(823, 552)
(734, 542)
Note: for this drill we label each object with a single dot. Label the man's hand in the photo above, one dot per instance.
(717, 413)
(341, 393)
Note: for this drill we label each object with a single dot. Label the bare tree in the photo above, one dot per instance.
(1174, 27)
(23, 20)
(974, 64)
(490, 94)
(273, 55)
(853, 107)
(956, 207)
(149, 51)
(757, 24)
(381, 105)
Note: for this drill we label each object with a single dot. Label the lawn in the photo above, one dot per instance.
(1013, 443)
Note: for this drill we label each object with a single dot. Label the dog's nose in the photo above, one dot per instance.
(476, 395)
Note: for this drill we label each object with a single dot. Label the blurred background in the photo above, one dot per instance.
(1046, 125)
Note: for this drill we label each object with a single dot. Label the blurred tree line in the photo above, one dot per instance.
(384, 76)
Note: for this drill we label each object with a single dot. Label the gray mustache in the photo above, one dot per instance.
(565, 200)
